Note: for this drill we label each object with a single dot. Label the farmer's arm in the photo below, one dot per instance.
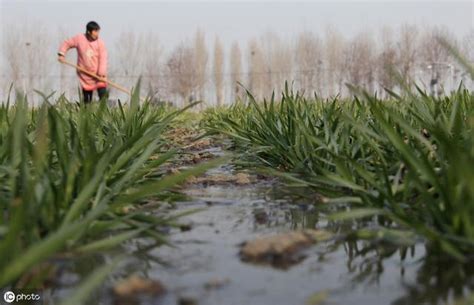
(102, 60)
(65, 46)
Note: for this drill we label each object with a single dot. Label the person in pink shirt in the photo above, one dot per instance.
(92, 56)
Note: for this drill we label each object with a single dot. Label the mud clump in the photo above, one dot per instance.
(186, 137)
(187, 301)
(216, 283)
(281, 250)
(200, 144)
(260, 216)
(242, 179)
(135, 285)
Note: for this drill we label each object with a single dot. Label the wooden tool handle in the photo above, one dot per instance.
(112, 84)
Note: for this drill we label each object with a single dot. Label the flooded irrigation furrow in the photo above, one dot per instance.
(203, 265)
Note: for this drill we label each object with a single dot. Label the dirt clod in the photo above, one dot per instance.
(185, 227)
(201, 144)
(173, 171)
(242, 178)
(216, 283)
(281, 250)
(187, 301)
(261, 217)
(137, 285)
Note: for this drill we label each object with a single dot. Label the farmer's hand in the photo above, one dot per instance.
(104, 77)
(61, 58)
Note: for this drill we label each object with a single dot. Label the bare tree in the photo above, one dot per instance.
(200, 62)
(467, 51)
(386, 62)
(407, 52)
(13, 45)
(431, 50)
(309, 62)
(181, 72)
(361, 63)
(152, 56)
(127, 58)
(468, 45)
(335, 57)
(257, 69)
(278, 62)
(28, 58)
(235, 71)
(218, 70)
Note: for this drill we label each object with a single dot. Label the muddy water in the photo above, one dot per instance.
(204, 266)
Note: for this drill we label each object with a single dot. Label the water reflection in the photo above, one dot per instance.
(354, 271)
(437, 279)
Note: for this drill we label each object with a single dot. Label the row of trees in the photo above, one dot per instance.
(199, 69)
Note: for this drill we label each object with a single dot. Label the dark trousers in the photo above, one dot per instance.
(87, 95)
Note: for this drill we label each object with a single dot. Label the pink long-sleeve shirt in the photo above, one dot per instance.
(91, 55)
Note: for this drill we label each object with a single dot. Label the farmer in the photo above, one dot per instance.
(91, 56)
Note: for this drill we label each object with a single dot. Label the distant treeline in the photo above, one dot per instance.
(312, 62)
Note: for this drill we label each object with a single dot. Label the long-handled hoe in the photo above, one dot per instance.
(112, 84)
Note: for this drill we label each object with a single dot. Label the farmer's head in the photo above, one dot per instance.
(93, 29)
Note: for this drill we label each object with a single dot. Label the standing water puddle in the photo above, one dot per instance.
(203, 265)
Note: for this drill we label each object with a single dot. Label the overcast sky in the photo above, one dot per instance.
(240, 21)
